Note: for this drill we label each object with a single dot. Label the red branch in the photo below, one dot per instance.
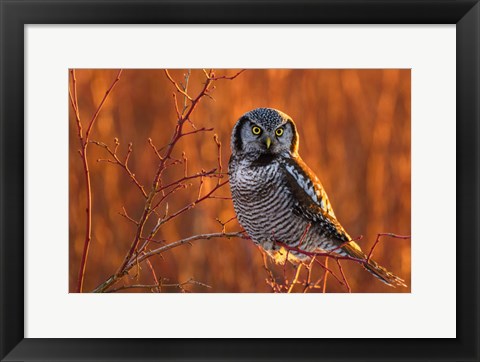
(213, 77)
(159, 192)
(177, 134)
(84, 142)
(343, 275)
(325, 276)
(377, 240)
(123, 164)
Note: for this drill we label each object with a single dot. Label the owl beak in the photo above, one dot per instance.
(268, 142)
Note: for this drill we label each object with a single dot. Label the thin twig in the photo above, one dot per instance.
(188, 240)
(154, 275)
(295, 280)
(159, 286)
(123, 164)
(203, 129)
(377, 240)
(226, 77)
(325, 276)
(180, 90)
(99, 108)
(271, 278)
(125, 215)
(343, 276)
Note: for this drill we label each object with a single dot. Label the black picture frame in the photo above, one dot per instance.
(16, 14)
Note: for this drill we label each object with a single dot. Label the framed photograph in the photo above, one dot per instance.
(199, 181)
(189, 162)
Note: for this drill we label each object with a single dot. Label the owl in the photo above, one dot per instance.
(279, 200)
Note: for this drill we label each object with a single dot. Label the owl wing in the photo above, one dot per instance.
(312, 200)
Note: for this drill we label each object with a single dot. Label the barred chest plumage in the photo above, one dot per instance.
(264, 204)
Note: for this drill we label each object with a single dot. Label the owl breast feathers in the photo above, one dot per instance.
(278, 199)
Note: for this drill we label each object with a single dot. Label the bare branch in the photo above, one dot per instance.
(177, 243)
(150, 142)
(99, 108)
(154, 275)
(212, 77)
(83, 139)
(203, 129)
(295, 280)
(180, 90)
(377, 240)
(325, 276)
(343, 275)
(125, 215)
(123, 164)
(114, 278)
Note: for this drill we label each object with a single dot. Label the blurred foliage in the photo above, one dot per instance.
(355, 133)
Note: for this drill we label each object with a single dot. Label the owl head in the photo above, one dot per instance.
(264, 130)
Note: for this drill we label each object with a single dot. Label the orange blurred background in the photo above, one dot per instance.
(354, 128)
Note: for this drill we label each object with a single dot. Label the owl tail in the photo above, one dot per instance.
(372, 266)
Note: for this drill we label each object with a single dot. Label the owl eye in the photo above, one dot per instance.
(256, 130)
(279, 132)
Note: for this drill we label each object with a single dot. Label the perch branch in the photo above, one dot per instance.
(114, 278)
